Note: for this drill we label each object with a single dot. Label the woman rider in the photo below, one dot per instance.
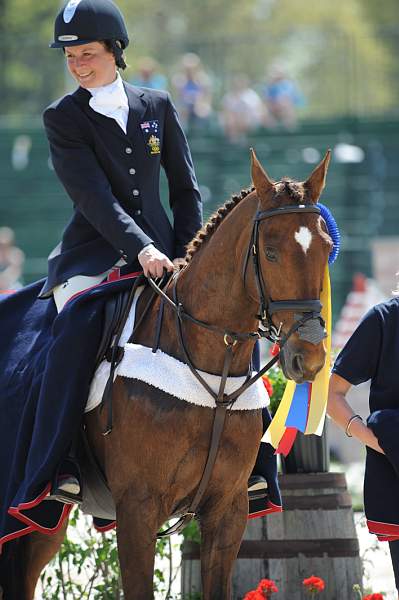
(107, 141)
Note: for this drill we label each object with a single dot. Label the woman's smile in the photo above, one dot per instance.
(92, 65)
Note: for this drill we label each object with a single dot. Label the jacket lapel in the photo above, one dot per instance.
(83, 96)
(137, 108)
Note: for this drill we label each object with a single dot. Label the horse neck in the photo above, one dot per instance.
(211, 288)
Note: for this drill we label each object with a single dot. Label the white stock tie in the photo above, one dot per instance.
(111, 101)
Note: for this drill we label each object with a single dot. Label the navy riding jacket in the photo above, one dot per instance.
(112, 179)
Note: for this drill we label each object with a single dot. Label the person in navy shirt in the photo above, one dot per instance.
(372, 354)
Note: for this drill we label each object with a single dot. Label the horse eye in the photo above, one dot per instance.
(271, 254)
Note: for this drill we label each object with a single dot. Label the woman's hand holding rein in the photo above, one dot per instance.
(154, 262)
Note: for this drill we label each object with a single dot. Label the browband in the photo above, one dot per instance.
(284, 210)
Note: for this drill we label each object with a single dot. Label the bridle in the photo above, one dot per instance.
(310, 311)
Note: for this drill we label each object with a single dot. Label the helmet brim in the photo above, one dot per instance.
(65, 43)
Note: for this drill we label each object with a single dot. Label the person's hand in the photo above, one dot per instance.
(154, 262)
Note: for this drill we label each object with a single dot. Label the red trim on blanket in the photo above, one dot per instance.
(387, 538)
(32, 503)
(15, 511)
(21, 517)
(14, 535)
(383, 529)
(107, 282)
(105, 528)
(114, 275)
(270, 508)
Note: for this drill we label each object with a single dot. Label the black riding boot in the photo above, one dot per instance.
(66, 486)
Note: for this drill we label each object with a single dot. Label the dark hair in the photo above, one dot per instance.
(115, 47)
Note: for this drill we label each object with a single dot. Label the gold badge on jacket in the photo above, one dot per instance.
(150, 132)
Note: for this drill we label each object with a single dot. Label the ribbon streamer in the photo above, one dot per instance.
(303, 406)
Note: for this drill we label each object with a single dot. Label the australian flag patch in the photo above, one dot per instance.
(151, 137)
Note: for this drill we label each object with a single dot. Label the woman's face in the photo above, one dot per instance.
(92, 65)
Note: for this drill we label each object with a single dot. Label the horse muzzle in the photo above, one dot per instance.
(301, 361)
(303, 356)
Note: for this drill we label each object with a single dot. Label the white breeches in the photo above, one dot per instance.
(63, 292)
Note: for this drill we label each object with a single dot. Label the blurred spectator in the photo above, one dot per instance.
(148, 75)
(194, 94)
(282, 99)
(11, 261)
(242, 109)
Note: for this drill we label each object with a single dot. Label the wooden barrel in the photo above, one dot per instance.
(314, 535)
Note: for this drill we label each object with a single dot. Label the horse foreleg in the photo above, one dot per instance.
(40, 549)
(138, 521)
(220, 542)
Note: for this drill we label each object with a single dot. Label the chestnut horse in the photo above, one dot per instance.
(155, 456)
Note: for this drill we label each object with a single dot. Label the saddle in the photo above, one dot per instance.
(115, 310)
(96, 498)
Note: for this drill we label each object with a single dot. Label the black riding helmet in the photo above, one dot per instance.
(84, 21)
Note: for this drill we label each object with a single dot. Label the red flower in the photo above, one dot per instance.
(373, 597)
(268, 385)
(314, 585)
(253, 595)
(267, 587)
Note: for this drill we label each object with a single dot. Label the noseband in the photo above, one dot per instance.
(310, 310)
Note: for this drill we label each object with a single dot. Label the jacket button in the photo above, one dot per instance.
(136, 193)
(128, 150)
(132, 171)
(137, 212)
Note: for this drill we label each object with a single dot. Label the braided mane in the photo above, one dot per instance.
(286, 187)
(213, 223)
(293, 189)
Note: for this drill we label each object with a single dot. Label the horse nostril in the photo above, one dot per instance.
(297, 363)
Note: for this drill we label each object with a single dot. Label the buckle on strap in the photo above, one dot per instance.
(228, 340)
(115, 354)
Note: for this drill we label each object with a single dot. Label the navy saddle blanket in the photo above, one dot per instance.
(381, 482)
(47, 362)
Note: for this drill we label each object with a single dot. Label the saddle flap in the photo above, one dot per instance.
(97, 499)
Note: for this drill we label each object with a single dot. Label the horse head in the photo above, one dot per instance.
(291, 246)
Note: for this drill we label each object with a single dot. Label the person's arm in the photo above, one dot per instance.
(184, 196)
(341, 413)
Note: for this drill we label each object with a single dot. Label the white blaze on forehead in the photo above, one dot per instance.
(304, 238)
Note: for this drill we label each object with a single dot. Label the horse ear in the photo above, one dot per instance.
(317, 180)
(260, 179)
